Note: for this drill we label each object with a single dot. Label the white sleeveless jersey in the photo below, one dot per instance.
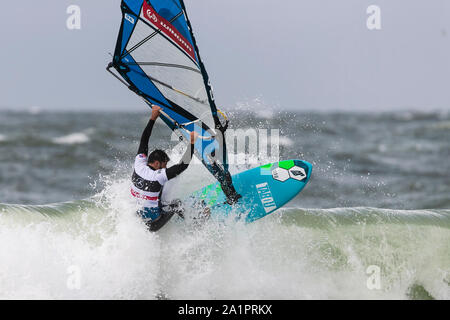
(147, 184)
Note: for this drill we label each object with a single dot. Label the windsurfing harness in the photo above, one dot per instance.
(157, 57)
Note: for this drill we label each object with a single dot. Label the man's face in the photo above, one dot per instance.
(158, 165)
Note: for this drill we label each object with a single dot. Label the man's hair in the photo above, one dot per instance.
(158, 155)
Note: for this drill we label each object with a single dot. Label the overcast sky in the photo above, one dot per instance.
(293, 54)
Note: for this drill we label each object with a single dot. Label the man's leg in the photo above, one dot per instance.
(226, 182)
(153, 218)
(155, 225)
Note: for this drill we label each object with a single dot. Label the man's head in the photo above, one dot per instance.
(158, 159)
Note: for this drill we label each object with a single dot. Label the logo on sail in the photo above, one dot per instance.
(152, 16)
(129, 18)
(168, 30)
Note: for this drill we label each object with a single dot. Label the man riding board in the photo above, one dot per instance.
(151, 173)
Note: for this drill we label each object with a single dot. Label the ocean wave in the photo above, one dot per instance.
(414, 115)
(443, 125)
(316, 218)
(325, 218)
(35, 110)
(74, 138)
(293, 254)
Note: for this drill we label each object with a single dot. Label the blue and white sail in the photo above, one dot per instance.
(157, 57)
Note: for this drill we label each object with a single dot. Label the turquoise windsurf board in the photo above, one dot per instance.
(263, 189)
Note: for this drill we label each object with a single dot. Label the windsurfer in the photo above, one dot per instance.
(151, 173)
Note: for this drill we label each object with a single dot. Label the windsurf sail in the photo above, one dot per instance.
(157, 57)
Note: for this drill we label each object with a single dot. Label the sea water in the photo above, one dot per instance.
(373, 222)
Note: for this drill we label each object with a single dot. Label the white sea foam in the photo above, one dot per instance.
(286, 141)
(2, 137)
(266, 114)
(75, 138)
(34, 110)
(259, 106)
(106, 253)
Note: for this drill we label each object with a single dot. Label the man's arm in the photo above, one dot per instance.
(175, 170)
(143, 146)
